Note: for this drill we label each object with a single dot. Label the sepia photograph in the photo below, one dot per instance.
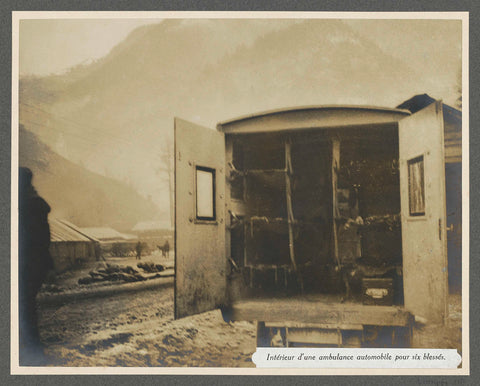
(191, 188)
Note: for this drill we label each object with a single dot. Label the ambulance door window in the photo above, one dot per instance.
(205, 193)
(416, 186)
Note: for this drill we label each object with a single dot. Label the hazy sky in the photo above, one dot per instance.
(53, 45)
(428, 53)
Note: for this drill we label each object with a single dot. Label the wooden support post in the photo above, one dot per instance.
(245, 187)
(335, 214)
(245, 243)
(291, 219)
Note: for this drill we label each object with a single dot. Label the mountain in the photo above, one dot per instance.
(308, 63)
(78, 195)
(116, 114)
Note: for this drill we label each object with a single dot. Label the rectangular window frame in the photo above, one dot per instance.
(205, 219)
(413, 212)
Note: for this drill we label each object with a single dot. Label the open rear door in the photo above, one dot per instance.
(200, 263)
(423, 206)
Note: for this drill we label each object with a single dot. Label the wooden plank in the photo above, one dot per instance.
(453, 140)
(263, 171)
(291, 219)
(357, 327)
(314, 336)
(264, 267)
(453, 152)
(238, 207)
(228, 197)
(291, 311)
(334, 176)
(245, 240)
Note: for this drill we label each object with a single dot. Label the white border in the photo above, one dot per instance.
(19, 15)
(236, 15)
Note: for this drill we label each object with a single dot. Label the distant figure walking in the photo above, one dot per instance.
(138, 249)
(166, 249)
(34, 262)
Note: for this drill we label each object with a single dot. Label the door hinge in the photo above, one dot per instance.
(439, 228)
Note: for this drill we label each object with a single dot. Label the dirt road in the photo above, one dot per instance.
(138, 329)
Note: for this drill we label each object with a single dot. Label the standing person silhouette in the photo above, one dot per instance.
(166, 248)
(138, 249)
(33, 265)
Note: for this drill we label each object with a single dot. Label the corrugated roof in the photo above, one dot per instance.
(127, 236)
(61, 230)
(152, 226)
(105, 233)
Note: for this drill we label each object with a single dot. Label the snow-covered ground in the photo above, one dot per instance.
(137, 328)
